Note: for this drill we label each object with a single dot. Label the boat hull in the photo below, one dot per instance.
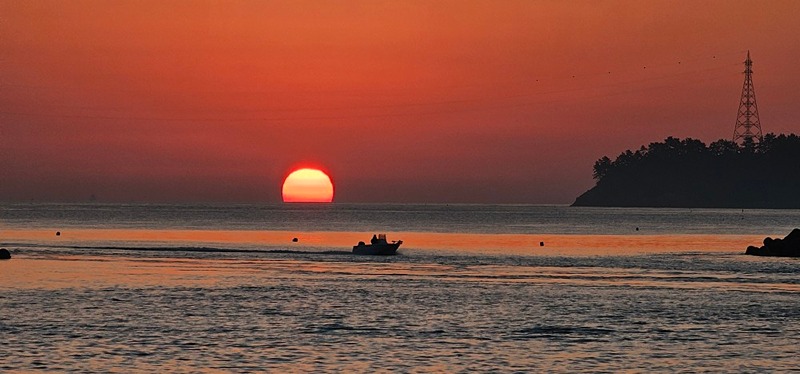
(387, 249)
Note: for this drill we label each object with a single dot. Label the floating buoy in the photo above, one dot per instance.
(5, 254)
(294, 240)
(58, 233)
(541, 244)
(637, 229)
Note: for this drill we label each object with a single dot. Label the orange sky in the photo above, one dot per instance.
(400, 101)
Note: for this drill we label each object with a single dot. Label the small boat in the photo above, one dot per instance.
(378, 247)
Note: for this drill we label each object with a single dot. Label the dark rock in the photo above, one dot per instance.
(789, 246)
(4, 254)
(793, 236)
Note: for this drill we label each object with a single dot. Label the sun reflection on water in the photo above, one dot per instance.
(512, 244)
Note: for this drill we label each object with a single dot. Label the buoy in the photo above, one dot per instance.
(541, 244)
(5, 254)
(294, 240)
(58, 233)
(637, 229)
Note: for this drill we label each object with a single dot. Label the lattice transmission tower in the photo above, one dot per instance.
(748, 126)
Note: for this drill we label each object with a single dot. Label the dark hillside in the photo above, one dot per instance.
(687, 173)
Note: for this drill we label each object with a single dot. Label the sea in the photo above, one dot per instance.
(207, 288)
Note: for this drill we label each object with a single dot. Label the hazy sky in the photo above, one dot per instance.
(400, 101)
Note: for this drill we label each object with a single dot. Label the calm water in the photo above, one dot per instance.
(223, 288)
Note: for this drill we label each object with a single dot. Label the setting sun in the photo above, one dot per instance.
(307, 186)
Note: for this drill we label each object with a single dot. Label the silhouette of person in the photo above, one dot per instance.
(374, 239)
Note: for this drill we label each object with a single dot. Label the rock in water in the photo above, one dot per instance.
(793, 236)
(4, 254)
(789, 246)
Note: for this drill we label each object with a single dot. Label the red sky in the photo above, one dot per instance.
(400, 101)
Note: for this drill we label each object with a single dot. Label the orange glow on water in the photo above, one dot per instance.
(307, 186)
(503, 244)
(30, 271)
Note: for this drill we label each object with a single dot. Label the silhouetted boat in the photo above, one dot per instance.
(378, 247)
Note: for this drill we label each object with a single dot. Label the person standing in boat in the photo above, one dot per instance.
(374, 239)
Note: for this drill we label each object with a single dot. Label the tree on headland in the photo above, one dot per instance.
(687, 173)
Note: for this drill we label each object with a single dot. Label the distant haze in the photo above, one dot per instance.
(399, 101)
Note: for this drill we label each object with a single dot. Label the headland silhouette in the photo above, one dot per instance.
(688, 174)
